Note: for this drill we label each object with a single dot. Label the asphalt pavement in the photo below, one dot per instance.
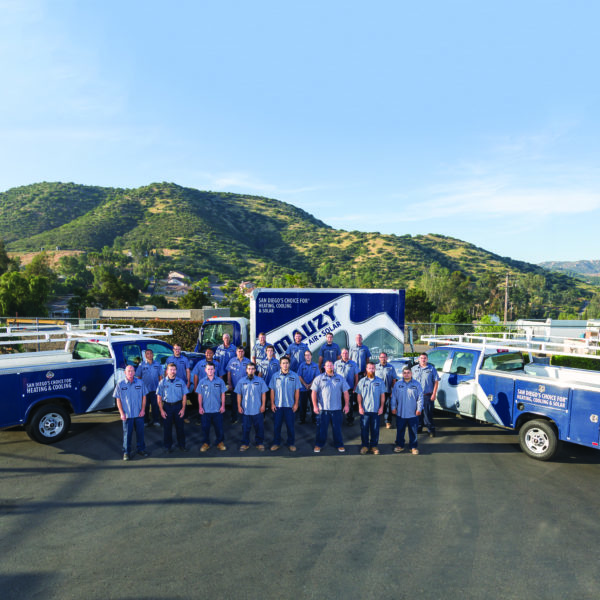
(470, 517)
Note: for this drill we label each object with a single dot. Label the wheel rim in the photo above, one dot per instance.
(537, 440)
(51, 425)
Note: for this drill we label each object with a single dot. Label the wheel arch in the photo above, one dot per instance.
(526, 417)
(61, 401)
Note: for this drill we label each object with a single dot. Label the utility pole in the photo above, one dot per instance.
(506, 286)
(505, 298)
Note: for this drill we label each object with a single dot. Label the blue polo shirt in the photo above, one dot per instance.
(285, 387)
(150, 374)
(131, 396)
(171, 390)
(182, 363)
(200, 369)
(329, 390)
(330, 352)
(308, 372)
(224, 355)
(260, 351)
(360, 355)
(237, 368)
(407, 398)
(347, 370)
(296, 354)
(370, 391)
(387, 373)
(251, 391)
(426, 376)
(267, 368)
(211, 392)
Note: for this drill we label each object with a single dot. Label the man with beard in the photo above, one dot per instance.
(150, 372)
(348, 369)
(211, 406)
(370, 394)
(386, 372)
(251, 401)
(407, 404)
(236, 369)
(307, 371)
(429, 379)
(285, 392)
(172, 398)
(327, 390)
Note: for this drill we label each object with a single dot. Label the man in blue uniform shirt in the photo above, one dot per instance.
(251, 399)
(370, 394)
(360, 354)
(285, 393)
(296, 352)
(182, 364)
(307, 371)
(328, 351)
(130, 394)
(327, 391)
(211, 406)
(348, 369)
(429, 379)
(224, 353)
(268, 366)
(259, 352)
(236, 369)
(172, 398)
(150, 372)
(407, 404)
(199, 371)
(386, 372)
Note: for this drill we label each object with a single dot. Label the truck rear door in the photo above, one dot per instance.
(584, 427)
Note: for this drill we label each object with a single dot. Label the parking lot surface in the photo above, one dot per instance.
(470, 517)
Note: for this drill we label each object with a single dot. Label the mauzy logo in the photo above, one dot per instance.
(308, 328)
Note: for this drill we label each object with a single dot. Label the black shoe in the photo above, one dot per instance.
(234, 421)
(432, 434)
(302, 421)
(143, 453)
(183, 449)
(167, 450)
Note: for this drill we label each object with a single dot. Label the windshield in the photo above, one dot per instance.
(212, 333)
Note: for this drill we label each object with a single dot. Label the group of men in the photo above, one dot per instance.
(295, 384)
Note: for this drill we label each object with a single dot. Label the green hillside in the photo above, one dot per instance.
(239, 237)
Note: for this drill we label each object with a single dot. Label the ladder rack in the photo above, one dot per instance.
(54, 334)
(510, 341)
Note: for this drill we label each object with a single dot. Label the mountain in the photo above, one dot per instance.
(585, 268)
(236, 236)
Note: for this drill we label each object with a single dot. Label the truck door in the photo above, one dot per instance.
(584, 426)
(438, 358)
(458, 384)
(12, 401)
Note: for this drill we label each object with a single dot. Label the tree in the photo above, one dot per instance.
(417, 307)
(22, 295)
(110, 290)
(198, 295)
(6, 263)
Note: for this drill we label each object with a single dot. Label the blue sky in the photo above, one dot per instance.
(477, 120)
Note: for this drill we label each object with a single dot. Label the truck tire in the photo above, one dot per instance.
(49, 424)
(538, 439)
